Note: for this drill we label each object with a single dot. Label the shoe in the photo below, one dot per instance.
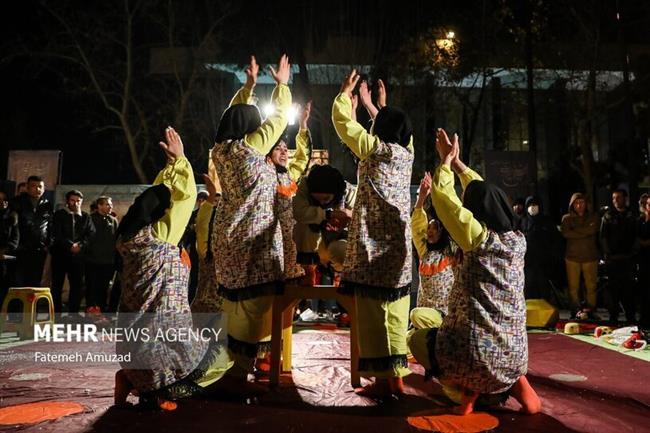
(308, 316)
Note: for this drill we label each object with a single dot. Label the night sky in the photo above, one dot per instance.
(48, 103)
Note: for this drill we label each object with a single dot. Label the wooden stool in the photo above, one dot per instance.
(282, 327)
(29, 297)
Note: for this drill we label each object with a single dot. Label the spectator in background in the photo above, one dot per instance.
(71, 230)
(542, 245)
(8, 243)
(34, 217)
(519, 207)
(618, 240)
(21, 188)
(100, 256)
(580, 228)
(643, 231)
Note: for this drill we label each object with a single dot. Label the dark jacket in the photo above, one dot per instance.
(34, 219)
(69, 228)
(541, 235)
(9, 234)
(618, 237)
(580, 233)
(101, 247)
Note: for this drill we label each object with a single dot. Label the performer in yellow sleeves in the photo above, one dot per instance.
(377, 267)
(480, 349)
(248, 245)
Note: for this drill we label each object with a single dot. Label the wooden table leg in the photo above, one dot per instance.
(287, 336)
(276, 340)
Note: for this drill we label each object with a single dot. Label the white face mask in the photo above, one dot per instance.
(533, 210)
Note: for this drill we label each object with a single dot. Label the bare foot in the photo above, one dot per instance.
(526, 396)
(466, 403)
(380, 388)
(122, 388)
(396, 385)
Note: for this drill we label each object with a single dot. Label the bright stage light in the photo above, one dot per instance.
(268, 109)
(450, 35)
(292, 114)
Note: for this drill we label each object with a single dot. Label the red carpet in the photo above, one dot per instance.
(607, 392)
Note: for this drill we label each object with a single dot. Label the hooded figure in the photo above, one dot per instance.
(147, 208)
(543, 249)
(580, 229)
(237, 121)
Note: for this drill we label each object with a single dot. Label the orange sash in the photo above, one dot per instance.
(434, 268)
(288, 190)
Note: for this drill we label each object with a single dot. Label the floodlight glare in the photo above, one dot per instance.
(292, 114)
(451, 35)
(268, 109)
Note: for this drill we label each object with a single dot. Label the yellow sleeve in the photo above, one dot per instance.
(467, 176)
(463, 228)
(243, 96)
(300, 159)
(179, 178)
(265, 137)
(419, 225)
(350, 131)
(202, 228)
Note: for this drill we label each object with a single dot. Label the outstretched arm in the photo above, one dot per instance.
(366, 100)
(245, 94)
(300, 160)
(265, 137)
(464, 229)
(419, 220)
(349, 131)
(179, 178)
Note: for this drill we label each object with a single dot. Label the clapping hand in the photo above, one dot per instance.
(447, 150)
(304, 115)
(172, 146)
(281, 76)
(349, 83)
(251, 74)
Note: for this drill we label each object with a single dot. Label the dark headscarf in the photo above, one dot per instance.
(326, 179)
(490, 206)
(237, 121)
(146, 209)
(392, 125)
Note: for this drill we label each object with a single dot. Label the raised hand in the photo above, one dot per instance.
(446, 149)
(281, 76)
(381, 94)
(349, 82)
(456, 164)
(424, 190)
(364, 94)
(355, 104)
(251, 73)
(172, 146)
(304, 115)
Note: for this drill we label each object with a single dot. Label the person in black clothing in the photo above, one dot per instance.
(9, 237)
(72, 230)
(100, 256)
(188, 242)
(34, 219)
(618, 240)
(542, 250)
(643, 231)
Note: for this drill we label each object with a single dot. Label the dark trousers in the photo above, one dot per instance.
(7, 272)
(116, 292)
(644, 289)
(621, 289)
(29, 268)
(74, 268)
(98, 279)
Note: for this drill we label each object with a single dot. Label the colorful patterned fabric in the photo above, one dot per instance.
(154, 297)
(248, 247)
(285, 191)
(207, 299)
(378, 256)
(436, 280)
(482, 344)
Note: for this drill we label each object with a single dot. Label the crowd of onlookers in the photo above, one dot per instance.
(604, 251)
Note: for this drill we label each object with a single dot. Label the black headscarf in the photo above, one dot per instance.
(146, 209)
(392, 125)
(237, 121)
(490, 205)
(326, 179)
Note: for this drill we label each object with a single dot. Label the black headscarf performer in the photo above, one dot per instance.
(490, 205)
(392, 125)
(146, 209)
(237, 121)
(326, 179)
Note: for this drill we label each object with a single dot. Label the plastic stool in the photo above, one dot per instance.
(29, 297)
